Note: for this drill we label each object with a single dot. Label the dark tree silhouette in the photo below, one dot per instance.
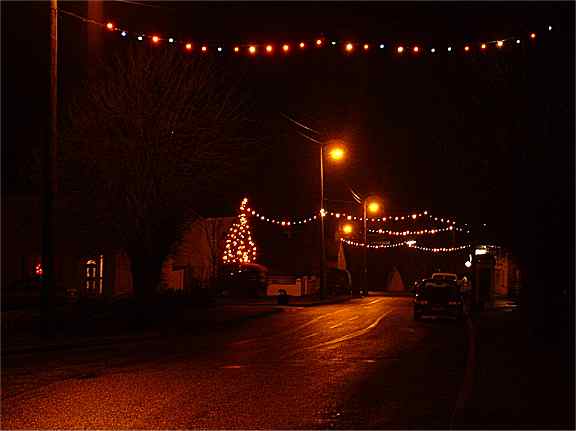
(150, 135)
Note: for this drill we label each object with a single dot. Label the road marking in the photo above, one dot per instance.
(309, 336)
(352, 335)
(288, 331)
(376, 301)
(237, 343)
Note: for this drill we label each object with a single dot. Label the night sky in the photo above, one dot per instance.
(485, 138)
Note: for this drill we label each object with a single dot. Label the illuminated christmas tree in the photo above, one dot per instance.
(239, 245)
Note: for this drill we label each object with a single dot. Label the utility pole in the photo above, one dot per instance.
(364, 251)
(322, 228)
(50, 153)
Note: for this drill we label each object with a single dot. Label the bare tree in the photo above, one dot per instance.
(146, 139)
(215, 230)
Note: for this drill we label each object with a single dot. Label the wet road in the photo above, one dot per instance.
(360, 364)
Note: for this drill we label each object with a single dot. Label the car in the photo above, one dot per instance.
(445, 276)
(248, 280)
(436, 297)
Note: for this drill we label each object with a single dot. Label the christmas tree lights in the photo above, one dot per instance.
(240, 248)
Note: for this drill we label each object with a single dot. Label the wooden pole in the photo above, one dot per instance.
(50, 153)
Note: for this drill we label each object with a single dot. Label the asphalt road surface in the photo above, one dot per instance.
(361, 364)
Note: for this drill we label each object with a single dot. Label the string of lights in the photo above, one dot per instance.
(281, 221)
(344, 46)
(409, 244)
(432, 231)
(382, 245)
(440, 249)
(286, 221)
(240, 248)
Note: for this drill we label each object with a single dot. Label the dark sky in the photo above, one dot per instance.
(484, 138)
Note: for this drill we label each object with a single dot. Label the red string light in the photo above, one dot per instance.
(318, 42)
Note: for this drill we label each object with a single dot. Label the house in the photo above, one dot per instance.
(87, 264)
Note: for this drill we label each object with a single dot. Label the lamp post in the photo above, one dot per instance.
(372, 205)
(336, 153)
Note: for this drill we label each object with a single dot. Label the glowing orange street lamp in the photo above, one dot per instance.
(371, 204)
(347, 229)
(336, 153)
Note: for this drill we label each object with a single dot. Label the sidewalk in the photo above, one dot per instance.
(293, 301)
(73, 326)
(31, 331)
(523, 378)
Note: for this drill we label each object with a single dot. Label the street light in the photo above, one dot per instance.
(347, 229)
(371, 204)
(336, 153)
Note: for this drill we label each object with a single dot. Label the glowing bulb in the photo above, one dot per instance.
(110, 26)
(252, 49)
(349, 47)
(549, 28)
(155, 39)
(416, 49)
(500, 43)
(333, 43)
(236, 49)
(517, 41)
(285, 48)
(347, 229)
(400, 49)
(337, 153)
(466, 48)
(219, 49)
(318, 42)
(302, 45)
(373, 207)
(204, 48)
(381, 46)
(483, 46)
(366, 46)
(433, 50)
(123, 33)
(140, 38)
(449, 49)
(269, 48)
(532, 35)
(171, 40)
(189, 46)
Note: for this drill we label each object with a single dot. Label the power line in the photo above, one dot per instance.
(300, 124)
